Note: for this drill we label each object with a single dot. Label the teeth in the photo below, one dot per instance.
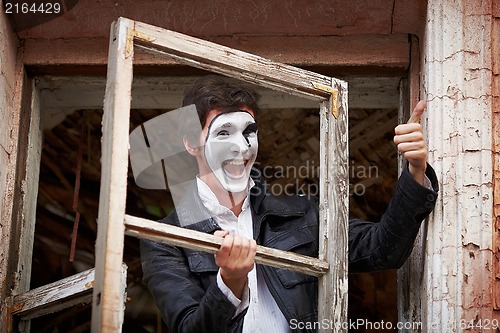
(236, 163)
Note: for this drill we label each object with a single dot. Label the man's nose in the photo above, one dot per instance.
(240, 145)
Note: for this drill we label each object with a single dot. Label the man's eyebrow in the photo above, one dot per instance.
(251, 126)
(221, 126)
(230, 124)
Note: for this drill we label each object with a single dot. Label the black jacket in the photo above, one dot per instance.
(183, 282)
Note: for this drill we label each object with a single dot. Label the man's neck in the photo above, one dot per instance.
(233, 201)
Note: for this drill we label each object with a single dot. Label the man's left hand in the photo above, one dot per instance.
(410, 141)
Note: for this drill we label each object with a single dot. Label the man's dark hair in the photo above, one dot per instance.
(214, 92)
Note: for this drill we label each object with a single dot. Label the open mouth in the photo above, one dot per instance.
(235, 168)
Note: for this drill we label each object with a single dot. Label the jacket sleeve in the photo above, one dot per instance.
(184, 305)
(388, 243)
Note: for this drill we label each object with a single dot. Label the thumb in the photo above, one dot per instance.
(417, 112)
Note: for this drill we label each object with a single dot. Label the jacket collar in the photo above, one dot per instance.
(193, 215)
(265, 203)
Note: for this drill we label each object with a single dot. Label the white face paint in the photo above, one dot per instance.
(231, 149)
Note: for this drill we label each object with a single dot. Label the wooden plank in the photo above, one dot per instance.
(346, 52)
(17, 281)
(12, 153)
(16, 97)
(167, 92)
(53, 297)
(195, 240)
(221, 59)
(411, 274)
(108, 300)
(29, 179)
(25, 198)
(334, 219)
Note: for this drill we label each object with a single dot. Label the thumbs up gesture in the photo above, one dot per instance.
(410, 141)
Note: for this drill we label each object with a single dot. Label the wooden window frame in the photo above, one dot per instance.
(113, 223)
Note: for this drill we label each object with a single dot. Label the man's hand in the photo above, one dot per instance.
(410, 141)
(235, 258)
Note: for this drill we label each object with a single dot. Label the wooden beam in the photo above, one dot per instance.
(53, 297)
(333, 213)
(234, 63)
(15, 101)
(28, 181)
(166, 92)
(389, 51)
(108, 300)
(411, 274)
(199, 241)
(63, 95)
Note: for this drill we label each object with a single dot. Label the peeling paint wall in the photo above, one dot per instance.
(496, 152)
(237, 18)
(458, 84)
(9, 121)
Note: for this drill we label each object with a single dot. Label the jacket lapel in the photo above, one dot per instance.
(192, 214)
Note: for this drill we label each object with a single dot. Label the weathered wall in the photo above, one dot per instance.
(201, 18)
(496, 152)
(458, 277)
(371, 34)
(9, 120)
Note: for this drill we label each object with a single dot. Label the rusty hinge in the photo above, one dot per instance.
(333, 96)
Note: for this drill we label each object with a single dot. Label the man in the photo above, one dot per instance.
(197, 292)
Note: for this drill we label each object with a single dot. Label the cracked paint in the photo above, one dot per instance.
(458, 79)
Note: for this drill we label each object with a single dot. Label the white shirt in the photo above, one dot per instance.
(263, 313)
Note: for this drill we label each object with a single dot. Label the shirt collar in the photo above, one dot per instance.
(211, 202)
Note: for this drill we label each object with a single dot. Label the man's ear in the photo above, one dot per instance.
(190, 148)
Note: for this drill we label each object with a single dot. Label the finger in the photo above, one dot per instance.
(252, 251)
(417, 112)
(409, 137)
(248, 248)
(408, 128)
(248, 253)
(225, 250)
(236, 248)
(253, 247)
(411, 146)
(415, 155)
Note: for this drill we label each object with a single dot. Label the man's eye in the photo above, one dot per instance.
(250, 130)
(222, 133)
(249, 133)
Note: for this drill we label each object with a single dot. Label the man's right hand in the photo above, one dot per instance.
(236, 258)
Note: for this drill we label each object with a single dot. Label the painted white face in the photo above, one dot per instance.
(231, 149)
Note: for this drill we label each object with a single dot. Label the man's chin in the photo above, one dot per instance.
(236, 188)
(235, 184)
